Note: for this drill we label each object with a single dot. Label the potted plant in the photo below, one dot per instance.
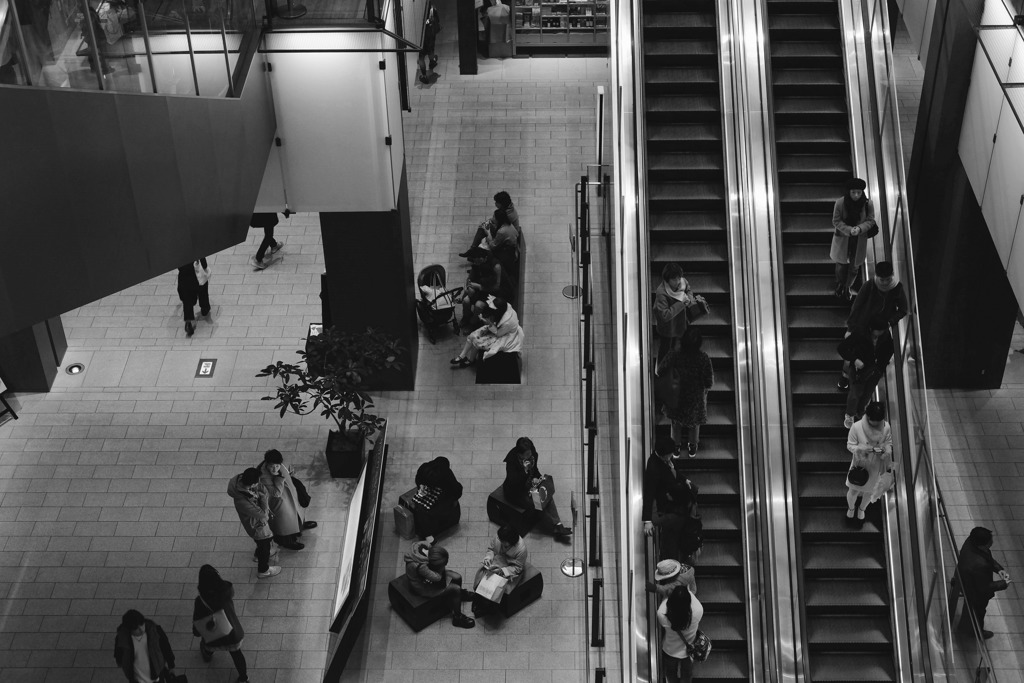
(334, 368)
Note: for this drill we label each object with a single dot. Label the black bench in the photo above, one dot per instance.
(502, 512)
(530, 588)
(507, 368)
(417, 611)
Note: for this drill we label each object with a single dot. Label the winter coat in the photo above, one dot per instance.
(695, 377)
(506, 336)
(518, 480)
(875, 463)
(205, 605)
(976, 567)
(872, 301)
(425, 580)
(671, 316)
(875, 356)
(512, 562)
(438, 474)
(842, 235)
(286, 515)
(253, 510)
(663, 487)
(160, 655)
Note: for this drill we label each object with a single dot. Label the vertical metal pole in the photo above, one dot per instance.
(93, 46)
(149, 48)
(22, 50)
(227, 61)
(191, 52)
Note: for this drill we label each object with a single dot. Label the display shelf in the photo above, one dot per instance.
(576, 26)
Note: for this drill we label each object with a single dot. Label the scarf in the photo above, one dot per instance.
(892, 285)
(681, 295)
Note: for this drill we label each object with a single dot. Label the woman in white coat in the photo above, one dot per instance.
(287, 518)
(500, 333)
(870, 442)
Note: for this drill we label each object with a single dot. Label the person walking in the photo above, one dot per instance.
(675, 307)
(428, 50)
(870, 443)
(691, 368)
(193, 286)
(868, 354)
(853, 219)
(213, 612)
(287, 517)
(975, 569)
(670, 497)
(253, 508)
(883, 296)
(267, 221)
(679, 616)
(141, 649)
(426, 566)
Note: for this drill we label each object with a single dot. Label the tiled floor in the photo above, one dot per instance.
(113, 484)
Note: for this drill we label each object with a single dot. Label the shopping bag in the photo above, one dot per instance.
(405, 522)
(213, 627)
(492, 587)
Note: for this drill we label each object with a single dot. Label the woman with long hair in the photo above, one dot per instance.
(679, 615)
(501, 333)
(216, 595)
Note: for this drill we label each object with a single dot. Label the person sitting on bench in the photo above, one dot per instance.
(484, 279)
(506, 556)
(426, 566)
(501, 333)
(437, 497)
(524, 484)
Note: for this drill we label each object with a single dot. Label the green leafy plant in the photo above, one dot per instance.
(331, 377)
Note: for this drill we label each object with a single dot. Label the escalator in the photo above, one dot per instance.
(847, 629)
(687, 218)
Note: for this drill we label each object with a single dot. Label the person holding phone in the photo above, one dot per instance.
(870, 443)
(974, 570)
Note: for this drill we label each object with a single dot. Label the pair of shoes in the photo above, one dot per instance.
(860, 513)
(190, 329)
(309, 525)
(257, 263)
(464, 254)
(466, 595)
(460, 620)
(460, 362)
(206, 654)
(424, 80)
(848, 422)
(276, 248)
(843, 384)
(433, 61)
(273, 556)
(849, 513)
(205, 314)
(561, 531)
(691, 448)
(272, 571)
(986, 634)
(294, 545)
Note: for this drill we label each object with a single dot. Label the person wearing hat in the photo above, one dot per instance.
(975, 569)
(671, 494)
(426, 566)
(882, 296)
(853, 219)
(669, 574)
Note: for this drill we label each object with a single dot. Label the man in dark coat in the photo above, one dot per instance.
(142, 650)
(437, 499)
(868, 354)
(883, 297)
(975, 569)
(672, 495)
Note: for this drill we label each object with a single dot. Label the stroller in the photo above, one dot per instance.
(436, 303)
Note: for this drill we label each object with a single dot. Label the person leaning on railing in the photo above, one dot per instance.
(671, 494)
(975, 569)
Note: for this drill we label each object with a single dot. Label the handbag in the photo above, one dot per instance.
(858, 476)
(539, 496)
(492, 587)
(213, 626)
(700, 648)
(698, 310)
(405, 522)
(301, 492)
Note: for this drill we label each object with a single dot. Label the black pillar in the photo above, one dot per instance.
(370, 280)
(966, 306)
(467, 21)
(29, 358)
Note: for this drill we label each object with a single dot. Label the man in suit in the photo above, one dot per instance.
(673, 496)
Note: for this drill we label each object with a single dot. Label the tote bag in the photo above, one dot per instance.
(212, 627)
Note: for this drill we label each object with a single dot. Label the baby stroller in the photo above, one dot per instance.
(436, 303)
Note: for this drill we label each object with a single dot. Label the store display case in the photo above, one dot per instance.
(570, 26)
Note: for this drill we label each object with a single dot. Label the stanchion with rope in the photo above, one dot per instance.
(573, 566)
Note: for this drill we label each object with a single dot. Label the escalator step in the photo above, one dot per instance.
(719, 348)
(680, 21)
(816, 223)
(827, 524)
(810, 386)
(811, 290)
(821, 454)
(691, 254)
(801, 6)
(850, 560)
(815, 135)
(822, 78)
(684, 221)
(821, 490)
(810, 107)
(851, 668)
(721, 593)
(840, 596)
(661, 80)
(681, 51)
(684, 162)
(729, 629)
(690, 193)
(727, 666)
(713, 286)
(720, 415)
(720, 520)
(816, 353)
(716, 451)
(819, 319)
(849, 632)
(720, 557)
(821, 420)
(813, 167)
(784, 26)
(822, 195)
(688, 137)
(797, 54)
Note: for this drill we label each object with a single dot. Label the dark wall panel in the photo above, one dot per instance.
(104, 190)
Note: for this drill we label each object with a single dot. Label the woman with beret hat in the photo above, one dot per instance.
(853, 219)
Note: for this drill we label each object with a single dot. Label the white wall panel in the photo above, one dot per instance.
(999, 44)
(1001, 206)
(1015, 266)
(394, 114)
(981, 114)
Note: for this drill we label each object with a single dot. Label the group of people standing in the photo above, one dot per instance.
(270, 503)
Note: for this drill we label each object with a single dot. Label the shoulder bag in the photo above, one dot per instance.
(857, 476)
(700, 648)
(214, 626)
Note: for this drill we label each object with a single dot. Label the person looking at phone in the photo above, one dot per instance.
(870, 442)
(975, 569)
(527, 488)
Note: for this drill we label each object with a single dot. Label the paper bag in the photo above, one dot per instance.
(492, 587)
